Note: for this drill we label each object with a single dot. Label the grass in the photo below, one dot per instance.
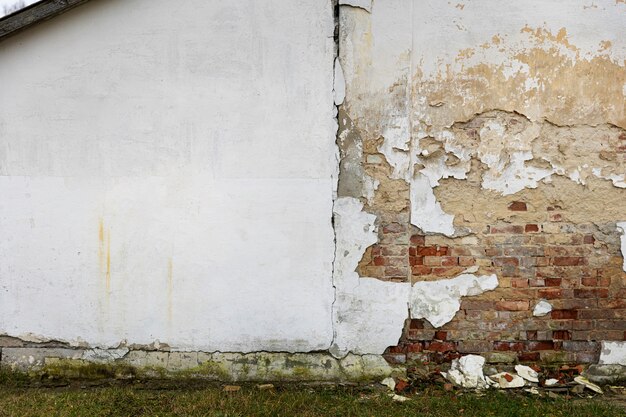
(289, 400)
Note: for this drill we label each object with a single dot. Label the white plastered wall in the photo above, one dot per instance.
(167, 174)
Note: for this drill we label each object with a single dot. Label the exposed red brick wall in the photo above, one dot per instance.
(561, 262)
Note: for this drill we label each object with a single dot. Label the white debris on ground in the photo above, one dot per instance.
(398, 398)
(528, 373)
(551, 382)
(542, 308)
(506, 380)
(588, 384)
(389, 382)
(467, 372)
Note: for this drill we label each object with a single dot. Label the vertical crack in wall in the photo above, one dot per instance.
(335, 6)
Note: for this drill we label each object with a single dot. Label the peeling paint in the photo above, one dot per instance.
(368, 314)
(439, 301)
(426, 211)
(613, 353)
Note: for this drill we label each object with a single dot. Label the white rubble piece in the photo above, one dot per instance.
(542, 308)
(528, 373)
(389, 382)
(501, 380)
(439, 301)
(588, 384)
(467, 372)
(551, 382)
(613, 353)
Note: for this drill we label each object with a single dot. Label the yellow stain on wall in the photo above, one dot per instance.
(104, 253)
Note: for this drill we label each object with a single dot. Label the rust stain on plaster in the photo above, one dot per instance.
(104, 253)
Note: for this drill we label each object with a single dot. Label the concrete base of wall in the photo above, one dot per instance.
(259, 366)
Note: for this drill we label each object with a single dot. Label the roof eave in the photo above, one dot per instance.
(34, 14)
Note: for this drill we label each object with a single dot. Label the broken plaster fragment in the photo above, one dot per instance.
(588, 384)
(542, 308)
(506, 380)
(528, 373)
(621, 226)
(439, 301)
(467, 372)
(362, 4)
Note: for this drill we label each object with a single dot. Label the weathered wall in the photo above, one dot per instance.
(201, 178)
(166, 173)
(489, 137)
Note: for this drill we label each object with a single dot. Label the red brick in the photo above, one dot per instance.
(418, 240)
(589, 240)
(508, 346)
(591, 293)
(589, 282)
(379, 261)
(550, 293)
(393, 228)
(505, 261)
(531, 228)
(561, 335)
(564, 314)
(414, 347)
(432, 251)
(509, 305)
(441, 346)
(449, 261)
(416, 324)
(528, 357)
(412, 251)
(421, 270)
(493, 252)
(568, 261)
(444, 271)
(519, 282)
(517, 206)
(552, 282)
(543, 345)
(467, 261)
(441, 335)
(556, 217)
(508, 229)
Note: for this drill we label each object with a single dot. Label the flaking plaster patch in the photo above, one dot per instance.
(613, 353)
(368, 314)
(621, 226)
(542, 308)
(439, 301)
(426, 211)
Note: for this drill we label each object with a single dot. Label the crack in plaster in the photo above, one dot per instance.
(359, 4)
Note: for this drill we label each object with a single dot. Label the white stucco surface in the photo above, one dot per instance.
(166, 173)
